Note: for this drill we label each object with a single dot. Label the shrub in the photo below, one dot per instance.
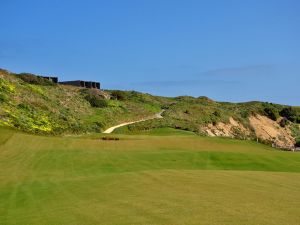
(95, 98)
(272, 113)
(33, 79)
(96, 127)
(3, 98)
(6, 86)
(24, 106)
(118, 95)
(283, 122)
(187, 111)
(297, 143)
(289, 113)
(217, 114)
(96, 102)
(36, 89)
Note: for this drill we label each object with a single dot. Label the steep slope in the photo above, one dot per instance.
(35, 105)
(268, 129)
(230, 129)
(207, 117)
(54, 109)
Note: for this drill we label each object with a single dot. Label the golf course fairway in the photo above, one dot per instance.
(164, 178)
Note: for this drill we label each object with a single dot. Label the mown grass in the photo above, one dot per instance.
(166, 131)
(145, 179)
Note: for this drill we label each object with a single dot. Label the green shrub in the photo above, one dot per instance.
(217, 113)
(95, 102)
(6, 86)
(297, 143)
(33, 79)
(289, 113)
(272, 113)
(283, 122)
(24, 106)
(114, 103)
(3, 98)
(118, 95)
(95, 98)
(96, 127)
(187, 111)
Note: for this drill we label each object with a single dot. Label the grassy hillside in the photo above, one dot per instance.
(38, 106)
(169, 180)
(200, 114)
(189, 113)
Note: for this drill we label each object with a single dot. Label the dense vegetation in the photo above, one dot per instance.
(188, 113)
(95, 98)
(34, 79)
(31, 103)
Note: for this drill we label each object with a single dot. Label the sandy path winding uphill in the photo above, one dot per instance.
(156, 116)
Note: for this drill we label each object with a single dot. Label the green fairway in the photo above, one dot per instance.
(166, 177)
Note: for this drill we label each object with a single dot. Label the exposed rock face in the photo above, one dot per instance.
(231, 129)
(264, 128)
(269, 130)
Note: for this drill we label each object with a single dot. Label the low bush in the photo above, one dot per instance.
(33, 79)
(97, 126)
(24, 106)
(118, 95)
(297, 143)
(272, 113)
(6, 86)
(96, 102)
(217, 113)
(95, 98)
(289, 113)
(283, 122)
(3, 98)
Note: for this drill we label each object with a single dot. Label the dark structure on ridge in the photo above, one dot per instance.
(81, 83)
(28, 77)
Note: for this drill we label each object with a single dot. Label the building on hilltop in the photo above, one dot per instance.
(81, 83)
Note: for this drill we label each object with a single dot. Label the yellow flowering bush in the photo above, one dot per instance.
(6, 86)
(36, 89)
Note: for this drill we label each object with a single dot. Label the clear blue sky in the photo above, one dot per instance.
(228, 50)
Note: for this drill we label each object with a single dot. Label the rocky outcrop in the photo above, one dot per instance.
(269, 130)
(261, 127)
(232, 129)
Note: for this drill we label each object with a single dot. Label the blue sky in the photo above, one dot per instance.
(228, 50)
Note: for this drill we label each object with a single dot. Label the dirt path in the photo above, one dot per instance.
(156, 116)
